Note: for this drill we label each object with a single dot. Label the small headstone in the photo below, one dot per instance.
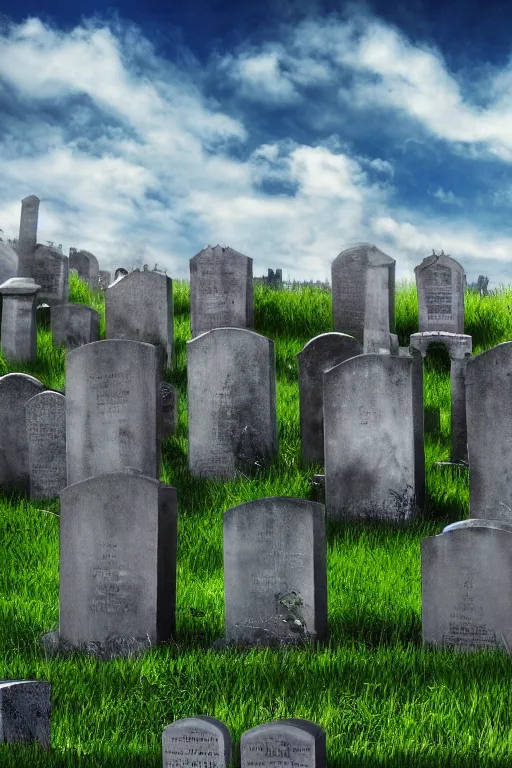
(45, 416)
(318, 355)
(18, 332)
(74, 325)
(440, 284)
(50, 271)
(287, 743)
(118, 534)
(221, 290)
(87, 265)
(113, 408)
(275, 577)
(200, 741)
(169, 409)
(466, 570)
(25, 711)
(232, 427)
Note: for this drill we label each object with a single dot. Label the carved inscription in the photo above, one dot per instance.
(112, 392)
(221, 292)
(438, 293)
(46, 433)
(194, 749)
(467, 627)
(275, 752)
(113, 590)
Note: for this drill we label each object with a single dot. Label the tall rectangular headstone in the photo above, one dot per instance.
(200, 741)
(50, 271)
(440, 284)
(118, 534)
(373, 438)
(221, 290)
(287, 743)
(232, 427)
(19, 334)
(113, 409)
(28, 235)
(275, 577)
(45, 416)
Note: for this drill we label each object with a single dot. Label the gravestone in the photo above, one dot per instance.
(15, 390)
(489, 433)
(363, 294)
(373, 438)
(221, 290)
(18, 332)
(440, 284)
(140, 307)
(318, 355)
(197, 741)
(113, 408)
(169, 409)
(28, 235)
(50, 271)
(25, 711)
(275, 577)
(74, 324)
(104, 279)
(87, 265)
(465, 573)
(118, 534)
(231, 386)
(45, 416)
(287, 743)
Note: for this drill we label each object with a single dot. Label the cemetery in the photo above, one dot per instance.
(250, 527)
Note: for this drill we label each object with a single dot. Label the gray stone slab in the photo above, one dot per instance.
(317, 356)
(231, 386)
(140, 307)
(440, 284)
(466, 571)
(373, 438)
(113, 408)
(489, 431)
(27, 238)
(87, 266)
(287, 743)
(15, 390)
(73, 325)
(221, 290)
(363, 293)
(45, 417)
(118, 534)
(25, 711)
(18, 330)
(200, 741)
(169, 409)
(50, 270)
(275, 577)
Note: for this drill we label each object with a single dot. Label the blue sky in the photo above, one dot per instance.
(287, 129)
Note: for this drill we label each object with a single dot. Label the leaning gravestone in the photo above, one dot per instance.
(221, 290)
(466, 570)
(440, 284)
(50, 270)
(275, 577)
(197, 741)
(87, 266)
(25, 710)
(15, 390)
(231, 387)
(45, 416)
(74, 324)
(317, 356)
(373, 438)
(363, 293)
(113, 406)
(489, 431)
(118, 534)
(140, 307)
(287, 743)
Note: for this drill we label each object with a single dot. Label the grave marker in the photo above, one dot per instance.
(197, 741)
(87, 266)
(50, 271)
(287, 743)
(25, 710)
(440, 284)
(45, 416)
(74, 324)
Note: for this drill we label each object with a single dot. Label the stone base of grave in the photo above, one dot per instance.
(275, 643)
(318, 488)
(115, 646)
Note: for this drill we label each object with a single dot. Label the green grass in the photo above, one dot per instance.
(382, 699)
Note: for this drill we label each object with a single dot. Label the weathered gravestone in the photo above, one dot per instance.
(118, 534)
(440, 284)
(87, 266)
(104, 279)
(221, 290)
(275, 577)
(18, 332)
(287, 743)
(363, 295)
(45, 416)
(140, 307)
(231, 386)
(113, 408)
(74, 325)
(489, 433)
(373, 438)
(27, 238)
(15, 390)
(25, 710)
(465, 573)
(50, 271)
(317, 356)
(169, 409)
(200, 741)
